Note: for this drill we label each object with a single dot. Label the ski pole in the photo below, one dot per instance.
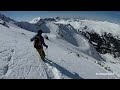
(47, 52)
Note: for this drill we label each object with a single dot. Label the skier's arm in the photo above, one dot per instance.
(32, 39)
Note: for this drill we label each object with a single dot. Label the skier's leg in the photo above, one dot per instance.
(43, 53)
(40, 53)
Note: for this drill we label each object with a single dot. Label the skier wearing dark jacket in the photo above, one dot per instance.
(39, 43)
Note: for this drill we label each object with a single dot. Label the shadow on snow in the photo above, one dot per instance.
(63, 70)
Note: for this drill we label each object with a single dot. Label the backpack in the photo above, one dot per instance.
(37, 42)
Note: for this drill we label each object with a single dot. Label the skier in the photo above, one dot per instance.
(39, 43)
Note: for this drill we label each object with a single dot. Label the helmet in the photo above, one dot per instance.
(40, 32)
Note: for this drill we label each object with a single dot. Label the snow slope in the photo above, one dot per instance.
(69, 64)
(99, 27)
(19, 59)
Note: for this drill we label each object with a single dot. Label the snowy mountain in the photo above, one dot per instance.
(38, 20)
(35, 20)
(103, 35)
(76, 56)
(6, 19)
(36, 24)
(28, 26)
(97, 32)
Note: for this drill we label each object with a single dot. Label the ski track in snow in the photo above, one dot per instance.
(5, 69)
(51, 70)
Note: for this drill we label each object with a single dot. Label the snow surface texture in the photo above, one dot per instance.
(66, 59)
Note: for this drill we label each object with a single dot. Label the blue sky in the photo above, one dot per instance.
(112, 16)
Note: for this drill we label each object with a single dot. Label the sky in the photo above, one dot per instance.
(112, 16)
